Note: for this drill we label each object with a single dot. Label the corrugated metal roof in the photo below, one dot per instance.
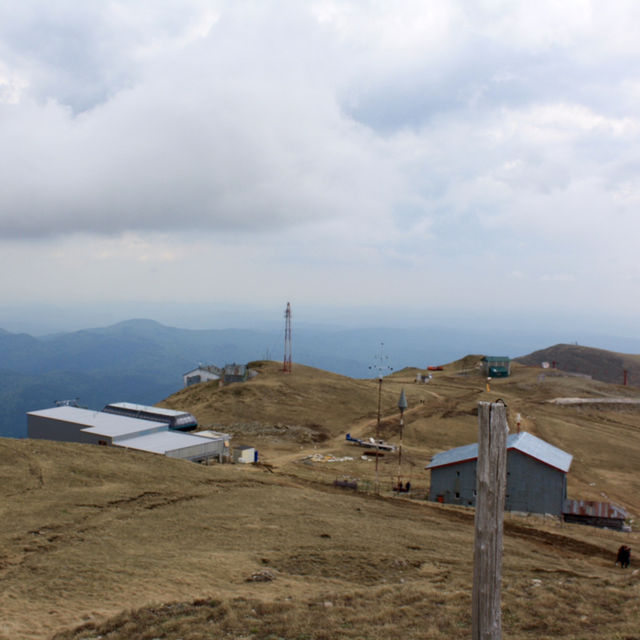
(594, 509)
(108, 424)
(540, 450)
(143, 435)
(213, 435)
(130, 406)
(524, 442)
(162, 441)
(209, 368)
(123, 429)
(452, 456)
(496, 359)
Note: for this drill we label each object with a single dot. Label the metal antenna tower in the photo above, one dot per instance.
(380, 367)
(286, 366)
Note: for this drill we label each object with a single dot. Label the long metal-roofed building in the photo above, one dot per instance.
(72, 424)
(180, 420)
(536, 475)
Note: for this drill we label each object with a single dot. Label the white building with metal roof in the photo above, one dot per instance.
(536, 475)
(203, 373)
(72, 424)
(181, 420)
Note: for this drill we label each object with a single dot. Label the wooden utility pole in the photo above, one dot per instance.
(402, 405)
(491, 481)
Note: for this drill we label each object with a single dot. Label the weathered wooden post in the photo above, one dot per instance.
(491, 480)
(402, 405)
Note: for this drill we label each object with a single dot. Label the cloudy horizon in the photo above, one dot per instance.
(435, 156)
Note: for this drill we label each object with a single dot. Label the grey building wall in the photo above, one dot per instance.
(456, 484)
(62, 431)
(532, 486)
(214, 448)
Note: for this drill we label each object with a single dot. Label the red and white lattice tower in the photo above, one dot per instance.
(286, 367)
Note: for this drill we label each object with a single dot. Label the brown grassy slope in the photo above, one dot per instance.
(606, 366)
(107, 539)
(306, 405)
(604, 440)
(90, 533)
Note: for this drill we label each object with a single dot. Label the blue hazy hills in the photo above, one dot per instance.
(143, 361)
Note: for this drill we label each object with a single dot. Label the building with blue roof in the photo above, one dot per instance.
(536, 475)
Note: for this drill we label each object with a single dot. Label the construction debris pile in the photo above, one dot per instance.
(319, 457)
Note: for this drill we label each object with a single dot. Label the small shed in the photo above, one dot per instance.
(536, 475)
(235, 373)
(203, 373)
(496, 366)
(596, 514)
(245, 455)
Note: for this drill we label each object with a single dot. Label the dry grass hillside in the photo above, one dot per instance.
(310, 411)
(310, 406)
(111, 544)
(606, 366)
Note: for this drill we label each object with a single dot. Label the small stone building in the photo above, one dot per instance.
(536, 475)
(235, 373)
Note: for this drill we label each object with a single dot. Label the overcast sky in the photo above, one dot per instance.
(418, 155)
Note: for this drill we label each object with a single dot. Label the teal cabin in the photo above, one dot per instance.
(496, 366)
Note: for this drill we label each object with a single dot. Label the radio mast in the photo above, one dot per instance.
(380, 367)
(286, 366)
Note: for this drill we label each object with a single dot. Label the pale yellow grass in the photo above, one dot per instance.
(138, 546)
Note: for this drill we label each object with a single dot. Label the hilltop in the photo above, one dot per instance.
(309, 405)
(312, 409)
(600, 364)
(113, 543)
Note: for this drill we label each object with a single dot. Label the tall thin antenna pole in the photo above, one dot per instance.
(380, 367)
(286, 366)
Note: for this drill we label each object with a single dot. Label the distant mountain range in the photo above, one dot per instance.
(143, 361)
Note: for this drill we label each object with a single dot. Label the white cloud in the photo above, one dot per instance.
(557, 277)
(344, 138)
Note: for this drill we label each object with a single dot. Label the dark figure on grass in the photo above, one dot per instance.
(624, 556)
